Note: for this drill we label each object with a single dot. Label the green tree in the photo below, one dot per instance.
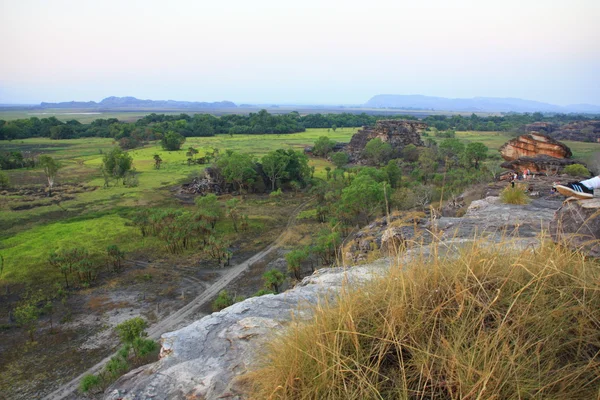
(4, 181)
(377, 151)
(27, 315)
(273, 279)
(323, 146)
(157, 161)
(364, 197)
(51, 167)
(131, 329)
(172, 141)
(474, 153)
(410, 153)
(237, 168)
(115, 256)
(452, 149)
(339, 159)
(394, 173)
(233, 211)
(209, 209)
(294, 260)
(275, 165)
(115, 164)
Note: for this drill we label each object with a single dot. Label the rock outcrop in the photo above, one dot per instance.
(583, 131)
(398, 133)
(537, 152)
(205, 359)
(577, 225)
(534, 144)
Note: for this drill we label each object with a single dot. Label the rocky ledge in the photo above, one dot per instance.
(205, 359)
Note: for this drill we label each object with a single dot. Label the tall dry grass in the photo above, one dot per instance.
(486, 323)
(514, 195)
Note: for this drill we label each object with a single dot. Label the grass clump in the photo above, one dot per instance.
(514, 195)
(486, 323)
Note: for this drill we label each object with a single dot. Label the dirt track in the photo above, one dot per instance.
(170, 323)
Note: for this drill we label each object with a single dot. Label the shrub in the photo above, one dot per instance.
(480, 322)
(576, 170)
(4, 181)
(88, 382)
(514, 195)
(223, 300)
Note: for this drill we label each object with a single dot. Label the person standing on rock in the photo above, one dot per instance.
(580, 190)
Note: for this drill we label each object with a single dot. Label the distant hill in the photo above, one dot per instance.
(481, 104)
(132, 102)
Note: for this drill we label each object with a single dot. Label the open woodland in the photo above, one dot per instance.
(153, 280)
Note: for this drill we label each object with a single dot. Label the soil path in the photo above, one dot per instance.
(169, 323)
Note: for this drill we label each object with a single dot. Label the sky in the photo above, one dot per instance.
(300, 52)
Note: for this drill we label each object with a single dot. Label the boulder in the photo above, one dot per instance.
(577, 225)
(541, 164)
(398, 133)
(534, 144)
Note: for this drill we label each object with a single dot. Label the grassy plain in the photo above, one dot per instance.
(98, 218)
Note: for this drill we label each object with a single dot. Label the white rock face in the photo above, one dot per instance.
(202, 360)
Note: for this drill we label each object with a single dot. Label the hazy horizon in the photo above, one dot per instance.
(314, 52)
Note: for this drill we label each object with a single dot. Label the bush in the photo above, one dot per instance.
(480, 322)
(577, 170)
(514, 195)
(4, 181)
(89, 382)
(223, 300)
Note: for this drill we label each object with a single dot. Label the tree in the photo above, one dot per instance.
(115, 256)
(475, 152)
(273, 279)
(131, 329)
(172, 141)
(339, 159)
(157, 161)
(233, 212)
(394, 174)
(274, 165)
(410, 153)
(294, 260)
(27, 315)
(4, 181)
(323, 146)
(452, 149)
(51, 167)
(237, 168)
(209, 209)
(364, 197)
(377, 151)
(115, 164)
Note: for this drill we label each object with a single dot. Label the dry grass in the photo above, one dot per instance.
(514, 195)
(486, 323)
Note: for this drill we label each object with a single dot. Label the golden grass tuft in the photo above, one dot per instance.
(486, 323)
(514, 195)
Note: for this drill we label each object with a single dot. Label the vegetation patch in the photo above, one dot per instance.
(483, 323)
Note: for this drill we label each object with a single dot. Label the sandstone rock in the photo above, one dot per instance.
(532, 145)
(577, 225)
(398, 133)
(542, 164)
(202, 360)
(583, 131)
(542, 127)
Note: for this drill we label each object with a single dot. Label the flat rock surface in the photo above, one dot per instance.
(202, 360)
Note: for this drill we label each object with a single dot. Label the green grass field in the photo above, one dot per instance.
(95, 218)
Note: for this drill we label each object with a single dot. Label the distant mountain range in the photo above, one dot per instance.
(482, 104)
(132, 102)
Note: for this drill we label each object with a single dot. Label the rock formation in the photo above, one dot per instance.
(398, 133)
(541, 127)
(537, 152)
(205, 359)
(583, 131)
(577, 225)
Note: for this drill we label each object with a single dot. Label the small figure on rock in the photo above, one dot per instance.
(581, 190)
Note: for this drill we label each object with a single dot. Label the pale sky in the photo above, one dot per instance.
(308, 51)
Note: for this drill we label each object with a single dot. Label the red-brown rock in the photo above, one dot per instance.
(534, 144)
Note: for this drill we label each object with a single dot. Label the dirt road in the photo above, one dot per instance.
(174, 319)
